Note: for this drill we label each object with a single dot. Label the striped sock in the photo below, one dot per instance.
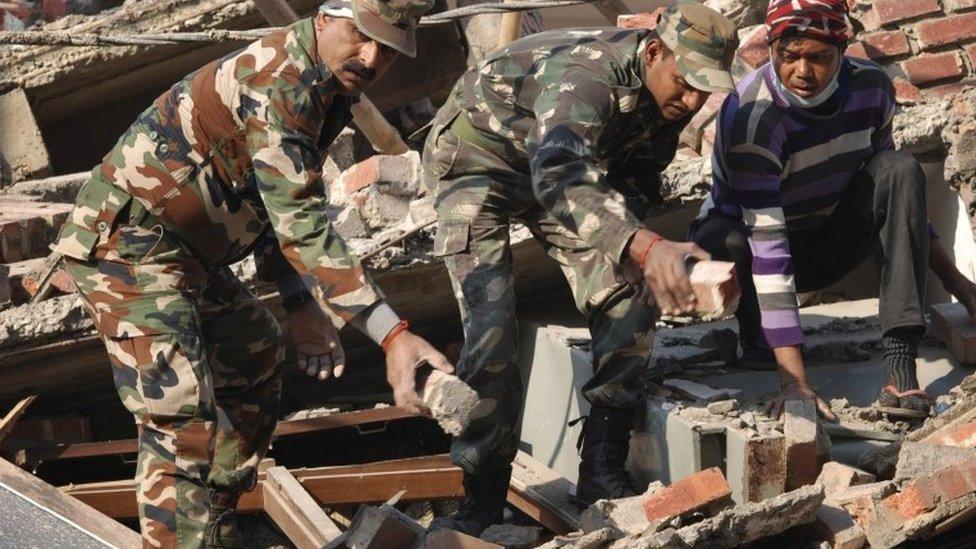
(900, 351)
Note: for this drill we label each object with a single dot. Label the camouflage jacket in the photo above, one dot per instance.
(230, 158)
(570, 108)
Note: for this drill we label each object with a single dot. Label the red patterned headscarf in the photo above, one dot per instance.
(824, 20)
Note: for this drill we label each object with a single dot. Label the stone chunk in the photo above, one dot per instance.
(452, 403)
(716, 288)
(704, 491)
(511, 536)
(624, 515)
(722, 406)
(956, 329)
(837, 477)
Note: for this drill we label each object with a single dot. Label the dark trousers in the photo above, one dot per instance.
(882, 213)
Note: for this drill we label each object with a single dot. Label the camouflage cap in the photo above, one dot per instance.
(390, 22)
(703, 41)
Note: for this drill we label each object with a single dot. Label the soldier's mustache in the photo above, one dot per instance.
(355, 66)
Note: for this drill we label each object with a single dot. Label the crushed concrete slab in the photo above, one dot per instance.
(699, 391)
(512, 536)
(918, 459)
(739, 525)
(451, 401)
(624, 515)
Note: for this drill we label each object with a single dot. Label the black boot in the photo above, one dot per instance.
(482, 506)
(221, 531)
(604, 444)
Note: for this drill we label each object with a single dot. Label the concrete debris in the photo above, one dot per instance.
(34, 323)
(512, 536)
(739, 525)
(836, 526)
(582, 540)
(625, 515)
(837, 477)
(918, 459)
(452, 403)
(722, 406)
(699, 391)
(444, 538)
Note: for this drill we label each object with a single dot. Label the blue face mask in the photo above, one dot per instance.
(807, 102)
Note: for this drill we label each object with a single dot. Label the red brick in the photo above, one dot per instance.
(960, 433)
(892, 11)
(948, 30)
(703, 489)
(915, 499)
(60, 281)
(361, 175)
(880, 45)
(53, 10)
(716, 288)
(960, 5)
(643, 20)
(948, 90)
(951, 484)
(906, 93)
(27, 228)
(927, 68)
(753, 51)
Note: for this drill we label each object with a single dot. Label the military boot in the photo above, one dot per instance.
(482, 505)
(221, 531)
(604, 444)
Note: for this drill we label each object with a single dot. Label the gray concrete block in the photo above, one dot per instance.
(755, 465)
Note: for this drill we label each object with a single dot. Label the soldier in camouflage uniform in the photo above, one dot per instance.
(226, 162)
(566, 132)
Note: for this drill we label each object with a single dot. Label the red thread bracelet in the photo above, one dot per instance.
(654, 240)
(400, 327)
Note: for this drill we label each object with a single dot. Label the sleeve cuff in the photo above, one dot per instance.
(376, 321)
(783, 337)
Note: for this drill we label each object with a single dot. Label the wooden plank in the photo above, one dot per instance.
(8, 421)
(543, 494)
(423, 478)
(50, 498)
(295, 512)
(283, 429)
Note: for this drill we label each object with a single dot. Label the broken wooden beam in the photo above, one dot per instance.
(8, 421)
(423, 478)
(295, 512)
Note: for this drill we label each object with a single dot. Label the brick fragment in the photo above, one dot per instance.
(450, 400)
(704, 490)
(838, 477)
(755, 467)
(893, 11)
(716, 288)
(906, 93)
(643, 20)
(396, 174)
(948, 30)
(927, 68)
(27, 228)
(800, 429)
(956, 329)
(948, 90)
(837, 527)
(753, 50)
(880, 45)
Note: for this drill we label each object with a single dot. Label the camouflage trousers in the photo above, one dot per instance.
(478, 197)
(196, 358)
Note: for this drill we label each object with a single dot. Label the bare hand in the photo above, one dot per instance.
(405, 354)
(796, 390)
(316, 342)
(964, 290)
(667, 276)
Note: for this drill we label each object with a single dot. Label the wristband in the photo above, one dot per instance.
(401, 327)
(654, 240)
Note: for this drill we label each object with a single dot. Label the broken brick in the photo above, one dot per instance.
(836, 526)
(704, 490)
(396, 174)
(450, 400)
(716, 288)
(954, 327)
(643, 20)
(837, 477)
(906, 93)
(27, 227)
(880, 45)
(800, 430)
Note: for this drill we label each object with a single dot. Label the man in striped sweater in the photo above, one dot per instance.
(807, 184)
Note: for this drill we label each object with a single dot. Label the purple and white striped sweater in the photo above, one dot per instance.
(777, 167)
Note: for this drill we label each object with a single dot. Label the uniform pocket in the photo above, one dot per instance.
(452, 237)
(138, 243)
(158, 375)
